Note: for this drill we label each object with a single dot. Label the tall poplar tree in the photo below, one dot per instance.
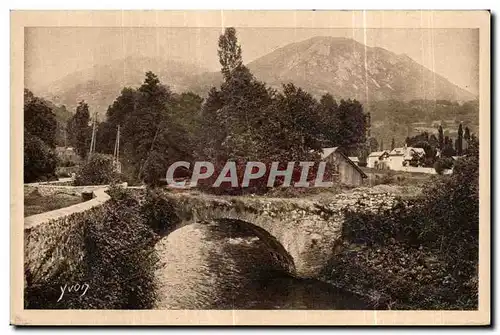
(441, 138)
(459, 145)
(79, 129)
(229, 52)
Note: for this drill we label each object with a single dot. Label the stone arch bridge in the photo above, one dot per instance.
(307, 231)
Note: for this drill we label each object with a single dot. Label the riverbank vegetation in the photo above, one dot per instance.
(119, 259)
(422, 253)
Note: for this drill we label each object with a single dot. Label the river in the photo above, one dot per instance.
(228, 264)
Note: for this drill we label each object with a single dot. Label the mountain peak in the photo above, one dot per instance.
(340, 66)
(347, 68)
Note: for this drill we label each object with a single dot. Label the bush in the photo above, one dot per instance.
(400, 277)
(443, 163)
(154, 169)
(39, 160)
(121, 258)
(421, 254)
(386, 178)
(118, 264)
(67, 162)
(158, 212)
(99, 170)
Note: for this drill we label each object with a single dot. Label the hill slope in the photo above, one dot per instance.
(340, 66)
(100, 85)
(349, 69)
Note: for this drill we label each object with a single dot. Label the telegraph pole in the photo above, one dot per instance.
(116, 153)
(93, 140)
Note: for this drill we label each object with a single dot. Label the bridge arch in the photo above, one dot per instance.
(299, 227)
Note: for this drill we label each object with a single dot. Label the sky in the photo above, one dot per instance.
(52, 53)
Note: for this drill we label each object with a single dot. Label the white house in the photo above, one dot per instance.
(377, 159)
(401, 157)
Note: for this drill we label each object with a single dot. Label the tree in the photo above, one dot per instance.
(352, 125)
(473, 147)
(62, 116)
(433, 141)
(79, 130)
(39, 159)
(382, 145)
(213, 134)
(39, 119)
(459, 143)
(329, 119)
(155, 169)
(429, 158)
(234, 118)
(39, 139)
(448, 150)
(146, 122)
(426, 142)
(467, 135)
(229, 52)
(393, 144)
(116, 115)
(293, 131)
(452, 215)
(177, 141)
(372, 144)
(441, 138)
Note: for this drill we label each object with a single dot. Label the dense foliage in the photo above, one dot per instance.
(40, 160)
(442, 164)
(400, 119)
(158, 127)
(243, 120)
(98, 170)
(39, 139)
(120, 252)
(440, 149)
(159, 213)
(117, 241)
(79, 130)
(421, 254)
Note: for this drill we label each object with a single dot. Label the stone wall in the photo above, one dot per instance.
(54, 241)
(309, 230)
(53, 189)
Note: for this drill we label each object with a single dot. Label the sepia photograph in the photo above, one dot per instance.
(245, 164)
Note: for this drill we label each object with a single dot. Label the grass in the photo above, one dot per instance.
(35, 203)
(402, 178)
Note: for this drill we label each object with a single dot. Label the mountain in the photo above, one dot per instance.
(349, 69)
(340, 66)
(100, 85)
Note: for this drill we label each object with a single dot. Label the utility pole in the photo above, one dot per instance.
(116, 153)
(93, 140)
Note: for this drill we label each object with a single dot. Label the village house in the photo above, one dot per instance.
(67, 154)
(399, 158)
(345, 170)
(378, 160)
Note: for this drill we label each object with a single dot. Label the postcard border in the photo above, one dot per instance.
(222, 18)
